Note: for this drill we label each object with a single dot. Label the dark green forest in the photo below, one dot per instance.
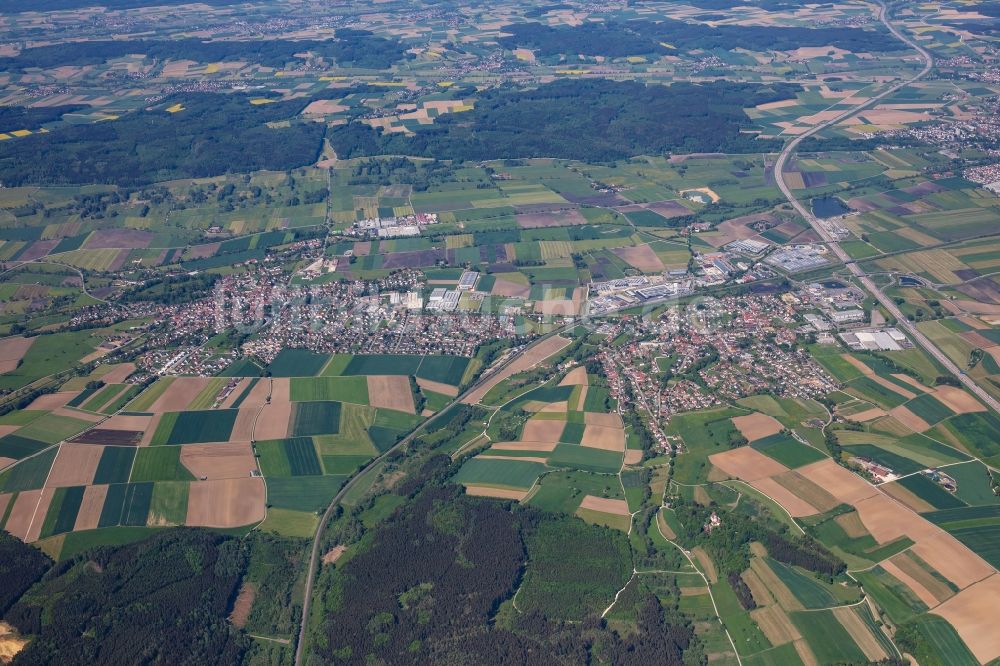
(163, 600)
(645, 37)
(357, 48)
(590, 120)
(20, 567)
(214, 134)
(430, 585)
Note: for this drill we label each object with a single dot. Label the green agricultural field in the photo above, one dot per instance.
(787, 450)
(303, 493)
(585, 458)
(344, 465)
(115, 465)
(53, 428)
(289, 457)
(195, 427)
(48, 355)
(929, 408)
(159, 463)
(342, 389)
(29, 474)
(897, 463)
(827, 638)
(336, 365)
(383, 364)
(562, 492)
(871, 390)
(244, 367)
(285, 522)
(150, 395)
(135, 507)
(892, 596)
(930, 492)
(206, 396)
(705, 432)
(977, 431)
(315, 418)
(978, 527)
(937, 643)
(168, 505)
(297, 363)
(501, 473)
(572, 433)
(810, 592)
(975, 483)
(103, 397)
(63, 509)
(444, 369)
(17, 447)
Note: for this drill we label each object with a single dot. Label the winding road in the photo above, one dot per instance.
(886, 302)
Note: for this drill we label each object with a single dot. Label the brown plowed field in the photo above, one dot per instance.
(257, 396)
(120, 422)
(90, 508)
(952, 559)
(179, 394)
(119, 373)
(842, 484)
(958, 400)
(907, 497)
(746, 463)
(500, 493)
(273, 421)
(147, 435)
(757, 426)
(887, 520)
(789, 501)
(608, 420)
(613, 506)
(21, 513)
(524, 446)
(234, 460)
(641, 257)
(909, 565)
(13, 350)
(51, 401)
(390, 392)
(633, 456)
(226, 502)
(575, 377)
(38, 519)
(804, 488)
(867, 415)
(601, 437)
(775, 625)
(437, 387)
(860, 633)
(909, 419)
(542, 430)
(75, 465)
(972, 613)
(243, 427)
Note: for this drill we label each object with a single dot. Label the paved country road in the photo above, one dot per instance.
(854, 267)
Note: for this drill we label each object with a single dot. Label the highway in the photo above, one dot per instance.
(887, 303)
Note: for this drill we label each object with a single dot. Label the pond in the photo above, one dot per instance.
(824, 207)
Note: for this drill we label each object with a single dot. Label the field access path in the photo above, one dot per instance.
(854, 267)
